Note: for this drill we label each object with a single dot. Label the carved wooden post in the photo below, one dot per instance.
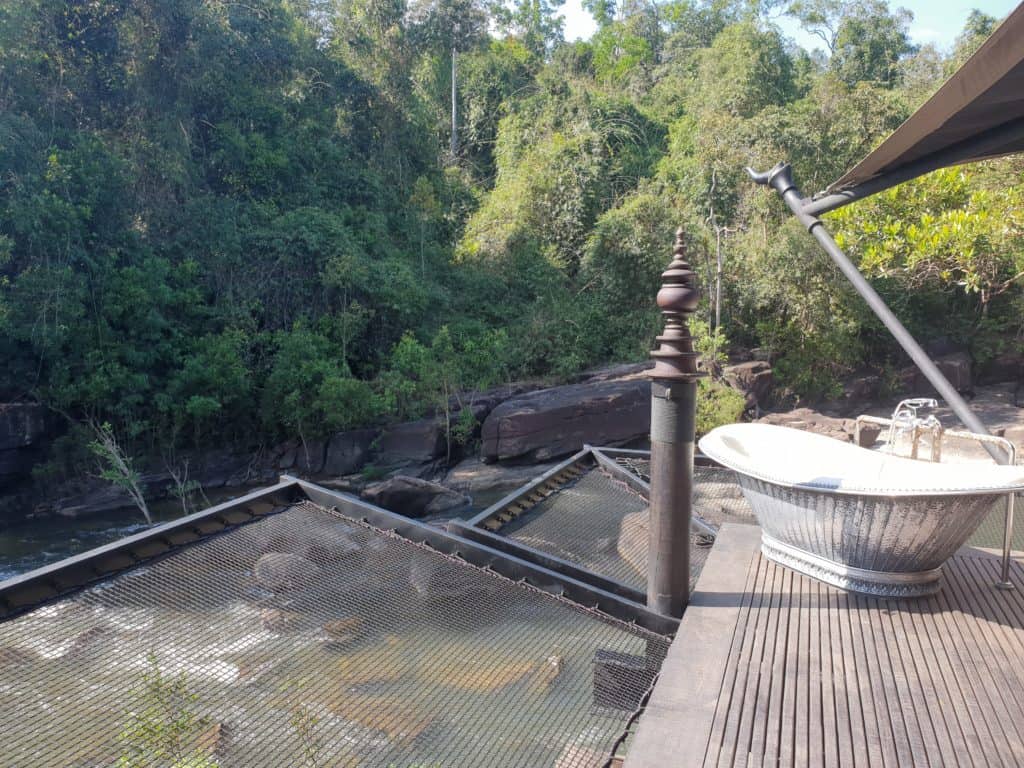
(673, 420)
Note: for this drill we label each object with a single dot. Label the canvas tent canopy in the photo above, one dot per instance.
(977, 114)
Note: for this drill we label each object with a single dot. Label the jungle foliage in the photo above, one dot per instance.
(226, 222)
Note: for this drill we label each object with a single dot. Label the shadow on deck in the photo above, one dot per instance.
(770, 667)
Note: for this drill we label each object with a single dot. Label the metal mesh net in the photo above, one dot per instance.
(598, 522)
(990, 532)
(716, 494)
(592, 521)
(641, 467)
(308, 639)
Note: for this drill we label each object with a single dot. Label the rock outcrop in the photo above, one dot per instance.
(22, 427)
(1008, 366)
(955, 366)
(347, 452)
(478, 479)
(414, 497)
(812, 421)
(830, 426)
(414, 442)
(752, 379)
(284, 571)
(557, 422)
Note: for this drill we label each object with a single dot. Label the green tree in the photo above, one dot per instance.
(603, 11)
(535, 22)
(976, 30)
(864, 40)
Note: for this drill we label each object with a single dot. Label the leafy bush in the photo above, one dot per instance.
(717, 405)
(164, 727)
(443, 377)
(309, 391)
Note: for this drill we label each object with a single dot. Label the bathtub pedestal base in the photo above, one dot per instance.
(874, 583)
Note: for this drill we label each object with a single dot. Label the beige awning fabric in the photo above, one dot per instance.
(985, 94)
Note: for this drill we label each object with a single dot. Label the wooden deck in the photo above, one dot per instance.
(773, 668)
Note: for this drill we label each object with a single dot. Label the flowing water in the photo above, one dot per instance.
(38, 541)
(35, 542)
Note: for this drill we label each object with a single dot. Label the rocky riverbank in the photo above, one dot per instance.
(520, 426)
(521, 429)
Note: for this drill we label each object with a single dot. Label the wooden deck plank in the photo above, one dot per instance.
(870, 712)
(852, 748)
(773, 668)
(809, 749)
(903, 694)
(920, 666)
(991, 708)
(975, 690)
(927, 686)
(744, 713)
(697, 655)
(764, 748)
(991, 607)
(742, 640)
(836, 740)
(935, 656)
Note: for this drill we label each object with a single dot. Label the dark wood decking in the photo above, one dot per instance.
(773, 668)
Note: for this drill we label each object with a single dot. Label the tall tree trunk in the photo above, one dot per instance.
(455, 106)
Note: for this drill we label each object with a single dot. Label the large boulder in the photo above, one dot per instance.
(347, 452)
(616, 372)
(96, 498)
(21, 425)
(414, 442)
(284, 571)
(862, 388)
(752, 379)
(309, 457)
(558, 421)
(1008, 366)
(15, 463)
(414, 497)
(216, 469)
(956, 367)
(486, 483)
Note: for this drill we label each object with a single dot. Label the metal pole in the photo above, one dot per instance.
(1004, 571)
(673, 423)
(780, 178)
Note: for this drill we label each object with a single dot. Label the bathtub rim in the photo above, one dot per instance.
(709, 448)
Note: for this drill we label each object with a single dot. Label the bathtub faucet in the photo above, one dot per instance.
(905, 419)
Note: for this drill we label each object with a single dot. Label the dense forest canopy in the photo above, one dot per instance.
(225, 222)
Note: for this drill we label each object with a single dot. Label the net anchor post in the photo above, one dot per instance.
(673, 427)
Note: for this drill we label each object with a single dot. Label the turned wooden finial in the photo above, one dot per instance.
(678, 298)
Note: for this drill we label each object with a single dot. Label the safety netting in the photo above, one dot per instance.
(599, 522)
(991, 532)
(717, 497)
(309, 639)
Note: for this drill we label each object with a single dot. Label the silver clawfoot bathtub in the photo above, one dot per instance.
(858, 519)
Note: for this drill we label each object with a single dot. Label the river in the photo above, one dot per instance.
(39, 541)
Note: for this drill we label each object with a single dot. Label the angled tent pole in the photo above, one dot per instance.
(780, 178)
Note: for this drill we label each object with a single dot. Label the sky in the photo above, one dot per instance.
(935, 21)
